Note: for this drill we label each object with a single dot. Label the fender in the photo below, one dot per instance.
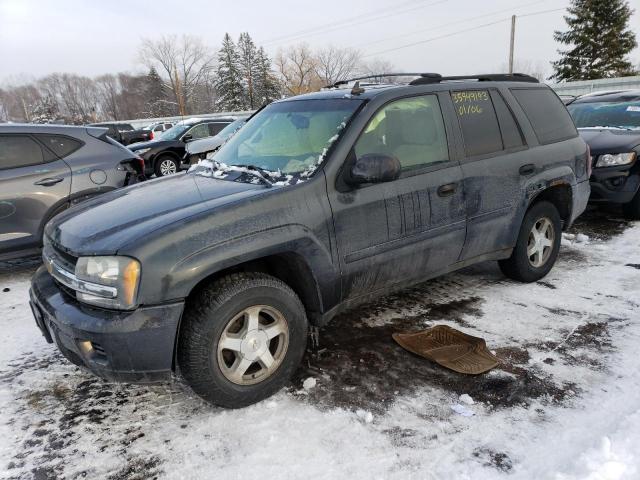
(182, 278)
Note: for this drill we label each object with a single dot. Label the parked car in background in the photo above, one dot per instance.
(124, 133)
(158, 128)
(163, 155)
(319, 203)
(610, 123)
(45, 169)
(199, 149)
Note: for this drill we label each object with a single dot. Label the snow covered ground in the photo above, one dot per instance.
(565, 403)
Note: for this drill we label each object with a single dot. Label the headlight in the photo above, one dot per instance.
(122, 273)
(142, 151)
(613, 159)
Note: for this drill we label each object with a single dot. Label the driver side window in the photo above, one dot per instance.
(410, 129)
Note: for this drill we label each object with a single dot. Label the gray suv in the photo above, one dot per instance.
(319, 203)
(44, 169)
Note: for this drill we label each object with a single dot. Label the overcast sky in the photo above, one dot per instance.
(38, 37)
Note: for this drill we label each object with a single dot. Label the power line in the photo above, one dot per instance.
(358, 20)
(458, 32)
(438, 27)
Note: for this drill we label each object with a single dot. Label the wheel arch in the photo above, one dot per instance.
(560, 195)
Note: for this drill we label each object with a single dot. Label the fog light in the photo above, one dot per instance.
(86, 346)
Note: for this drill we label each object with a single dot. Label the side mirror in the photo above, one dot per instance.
(187, 138)
(373, 168)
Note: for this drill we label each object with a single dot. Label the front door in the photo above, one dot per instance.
(403, 230)
(32, 182)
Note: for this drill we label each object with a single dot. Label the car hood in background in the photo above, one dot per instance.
(104, 225)
(610, 140)
(204, 145)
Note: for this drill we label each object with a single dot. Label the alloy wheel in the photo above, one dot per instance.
(540, 244)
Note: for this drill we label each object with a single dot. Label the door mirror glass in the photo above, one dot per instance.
(187, 138)
(374, 168)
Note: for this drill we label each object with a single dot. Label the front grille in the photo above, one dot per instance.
(54, 252)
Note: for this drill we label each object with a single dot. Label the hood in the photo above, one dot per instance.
(609, 140)
(107, 223)
(204, 145)
(153, 144)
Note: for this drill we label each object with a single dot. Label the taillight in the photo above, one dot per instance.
(140, 165)
(151, 135)
(589, 161)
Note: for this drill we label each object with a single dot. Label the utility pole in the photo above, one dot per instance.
(511, 43)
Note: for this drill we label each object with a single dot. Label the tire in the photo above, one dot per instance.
(166, 165)
(523, 267)
(211, 321)
(631, 210)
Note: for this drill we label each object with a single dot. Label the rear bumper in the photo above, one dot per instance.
(135, 346)
(581, 192)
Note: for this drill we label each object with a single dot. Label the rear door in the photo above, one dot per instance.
(401, 231)
(33, 184)
(495, 167)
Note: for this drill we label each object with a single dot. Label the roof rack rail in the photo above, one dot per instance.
(427, 78)
(382, 75)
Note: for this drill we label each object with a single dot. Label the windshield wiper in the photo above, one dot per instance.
(256, 171)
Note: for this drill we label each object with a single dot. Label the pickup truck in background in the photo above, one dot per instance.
(124, 133)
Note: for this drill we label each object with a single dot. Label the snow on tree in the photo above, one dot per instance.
(229, 77)
(45, 110)
(599, 41)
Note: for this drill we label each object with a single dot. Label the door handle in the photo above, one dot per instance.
(447, 190)
(527, 169)
(49, 182)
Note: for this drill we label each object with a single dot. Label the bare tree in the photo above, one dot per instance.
(378, 67)
(108, 90)
(297, 68)
(184, 63)
(334, 64)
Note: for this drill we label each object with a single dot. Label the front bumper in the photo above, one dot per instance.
(614, 184)
(123, 346)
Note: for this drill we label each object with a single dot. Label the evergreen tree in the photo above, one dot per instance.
(599, 41)
(156, 95)
(248, 55)
(229, 77)
(268, 88)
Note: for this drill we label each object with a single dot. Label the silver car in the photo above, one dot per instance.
(44, 169)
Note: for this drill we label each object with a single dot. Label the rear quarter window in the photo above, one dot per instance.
(60, 145)
(549, 117)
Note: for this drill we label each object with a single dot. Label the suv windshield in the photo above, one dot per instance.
(174, 132)
(606, 114)
(289, 137)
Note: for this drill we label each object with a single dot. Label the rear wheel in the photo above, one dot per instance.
(242, 339)
(631, 210)
(166, 165)
(538, 244)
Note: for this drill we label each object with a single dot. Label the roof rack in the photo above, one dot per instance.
(427, 78)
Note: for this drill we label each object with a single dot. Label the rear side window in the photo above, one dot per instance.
(61, 146)
(19, 151)
(478, 122)
(548, 116)
(511, 134)
(214, 128)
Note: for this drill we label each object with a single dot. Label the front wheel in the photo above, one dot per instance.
(242, 338)
(538, 244)
(166, 166)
